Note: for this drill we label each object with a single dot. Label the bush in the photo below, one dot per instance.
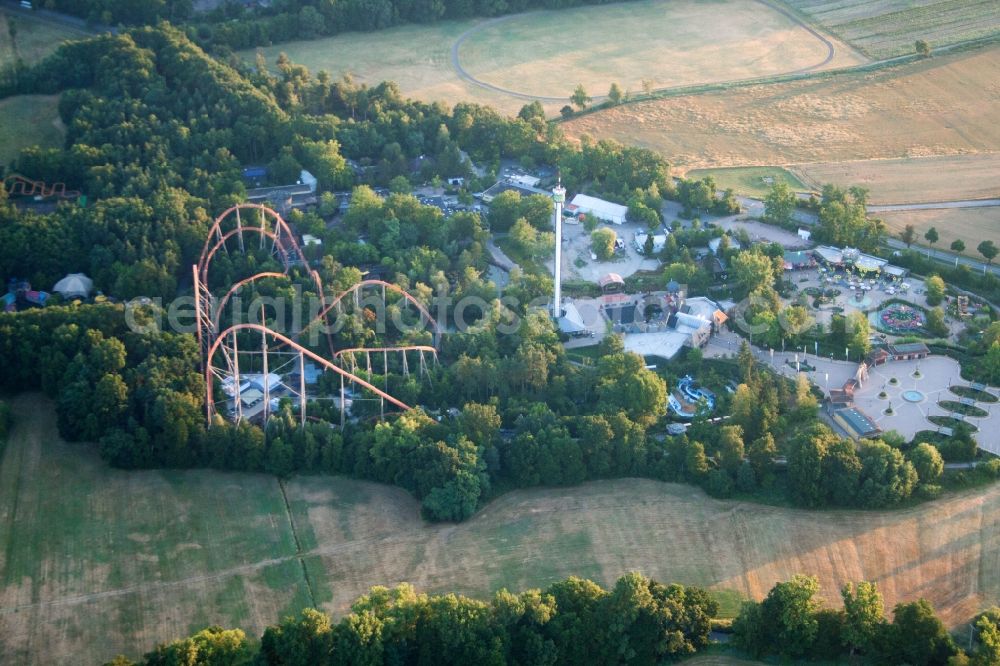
(719, 484)
(602, 242)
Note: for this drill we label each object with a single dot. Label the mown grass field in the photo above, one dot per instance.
(98, 561)
(916, 180)
(884, 28)
(35, 38)
(548, 53)
(752, 181)
(95, 561)
(28, 120)
(945, 105)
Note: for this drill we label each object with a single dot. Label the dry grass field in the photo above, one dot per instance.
(917, 180)
(948, 551)
(883, 28)
(971, 225)
(35, 38)
(95, 561)
(547, 53)
(28, 120)
(946, 105)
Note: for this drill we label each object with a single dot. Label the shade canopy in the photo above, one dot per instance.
(74, 285)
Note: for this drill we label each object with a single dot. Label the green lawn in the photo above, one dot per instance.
(35, 38)
(28, 120)
(752, 181)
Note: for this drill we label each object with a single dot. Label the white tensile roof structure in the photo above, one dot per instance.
(605, 210)
(74, 285)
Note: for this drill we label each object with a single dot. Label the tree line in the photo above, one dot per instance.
(791, 623)
(572, 621)
(576, 621)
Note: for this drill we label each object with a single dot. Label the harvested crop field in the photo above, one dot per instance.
(970, 225)
(946, 105)
(917, 180)
(884, 28)
(98, 561)
(547, 53)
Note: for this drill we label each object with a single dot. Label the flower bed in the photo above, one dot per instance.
(902, 319)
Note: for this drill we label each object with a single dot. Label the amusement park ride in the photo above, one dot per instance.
(26, 187)
(255, 228)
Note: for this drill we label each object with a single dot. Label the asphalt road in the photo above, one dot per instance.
(936, 205)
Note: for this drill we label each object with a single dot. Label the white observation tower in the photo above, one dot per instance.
(559, 198)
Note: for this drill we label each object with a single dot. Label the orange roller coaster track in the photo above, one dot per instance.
(272, 233)
(26, 187)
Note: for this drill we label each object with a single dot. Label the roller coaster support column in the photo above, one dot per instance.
(267, 378)
(302, 387)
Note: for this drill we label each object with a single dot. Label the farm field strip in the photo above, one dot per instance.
(886, 28)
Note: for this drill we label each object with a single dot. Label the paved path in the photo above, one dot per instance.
(935, 205)
(499, 257)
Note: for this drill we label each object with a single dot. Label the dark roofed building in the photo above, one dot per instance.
(855, 423)
(909, 351)
(795, 261)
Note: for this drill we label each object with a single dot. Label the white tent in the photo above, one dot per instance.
(74, 285)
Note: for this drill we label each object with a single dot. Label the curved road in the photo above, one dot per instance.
(466, 76)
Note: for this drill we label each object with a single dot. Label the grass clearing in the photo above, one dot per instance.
(28, 120)
(547, 53)
(916, 180)
(945, 105)
(36, 38)
(752, 181)
(885, 28)
(95, 561)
